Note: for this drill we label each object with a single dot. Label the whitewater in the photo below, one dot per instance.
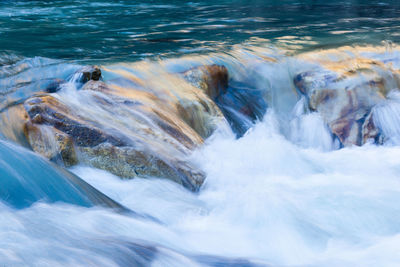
(265, 202)
(283, 194)
(200, 133)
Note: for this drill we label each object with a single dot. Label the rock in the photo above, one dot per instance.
(164, 114)
(130, 162)
(54, 86)
(96, 86)
(370, 132)
(12, 123)
(182, 99)
(149, 144)
(89, 73)
(212, 79)
(344, 93)
(201, 114)
(240, 105)
(129, 126)
(48, 110)
(51, 143)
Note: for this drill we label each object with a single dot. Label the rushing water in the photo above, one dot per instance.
(280, 190)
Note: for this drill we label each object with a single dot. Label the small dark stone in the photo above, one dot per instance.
(90, 73)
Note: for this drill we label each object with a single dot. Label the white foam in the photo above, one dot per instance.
(268, 199)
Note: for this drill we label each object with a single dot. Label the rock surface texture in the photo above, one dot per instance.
(240, 105)
(345, 92)
(146, 131)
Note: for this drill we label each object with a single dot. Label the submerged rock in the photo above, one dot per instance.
(27, 178)
(345, 92)
(54, 85)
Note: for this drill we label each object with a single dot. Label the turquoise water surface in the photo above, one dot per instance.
(131, 30)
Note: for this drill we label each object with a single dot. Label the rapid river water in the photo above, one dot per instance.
(280, 189)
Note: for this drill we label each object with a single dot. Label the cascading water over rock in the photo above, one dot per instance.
(250, 131)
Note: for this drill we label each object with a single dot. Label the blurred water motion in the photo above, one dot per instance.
(131, 30)
(232, 133)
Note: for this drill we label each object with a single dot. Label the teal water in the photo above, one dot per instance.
(131, 30)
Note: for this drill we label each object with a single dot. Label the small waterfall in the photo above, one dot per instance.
(76, 78)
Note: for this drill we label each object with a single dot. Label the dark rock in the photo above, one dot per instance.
(90, 73)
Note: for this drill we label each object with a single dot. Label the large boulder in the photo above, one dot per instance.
(148, 129)
(148, 146)
(344, 93)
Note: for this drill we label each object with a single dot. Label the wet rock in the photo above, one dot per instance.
(51, 143)
(199, 112)
(202, 116)
(344, 93)
(162, 113)
(241, 105)
(90, 73)
(370, 132)
(212, 79)
(12, 121)
(96, 86)
(50, 111)
(147, 127)
(54, 85)
(70, 135)
(184, 102)
(128, 161)
(197, 107)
